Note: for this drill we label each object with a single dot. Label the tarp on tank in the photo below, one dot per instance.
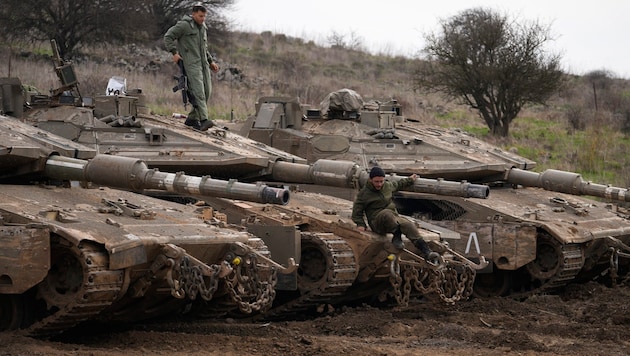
(344, 100)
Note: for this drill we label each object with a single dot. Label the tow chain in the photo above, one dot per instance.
(244, 282)
(191, 280)
(617, 249)
(443, 280)
(396, 281)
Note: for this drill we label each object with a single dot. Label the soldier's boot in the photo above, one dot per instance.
(206, 124)
(397, 239)
(192, 122)
(426, 251)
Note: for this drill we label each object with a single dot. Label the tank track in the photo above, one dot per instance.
(99, 288)
(341, 273)
(571, 264)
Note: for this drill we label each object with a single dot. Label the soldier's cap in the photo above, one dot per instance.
(377, 172)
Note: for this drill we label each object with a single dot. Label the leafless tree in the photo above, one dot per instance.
(351, 41)
(74, 23)
(491, 64)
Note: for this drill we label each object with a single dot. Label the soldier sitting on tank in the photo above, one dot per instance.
(375, 201)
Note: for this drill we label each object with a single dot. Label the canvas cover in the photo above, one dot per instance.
(344, 99)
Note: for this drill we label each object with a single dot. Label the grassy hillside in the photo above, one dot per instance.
(584, 128)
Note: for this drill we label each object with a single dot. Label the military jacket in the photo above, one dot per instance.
(370, 201)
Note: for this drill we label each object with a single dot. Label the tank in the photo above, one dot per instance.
(340, 264)
(535, 230)
(75, 249)
(118, 126)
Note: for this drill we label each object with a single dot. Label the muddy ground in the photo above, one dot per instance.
(585, 319)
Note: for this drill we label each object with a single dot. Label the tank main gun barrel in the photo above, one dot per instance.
(344, 174)
(348, 174)
(565, 182)
(444, 187)
(131, 173)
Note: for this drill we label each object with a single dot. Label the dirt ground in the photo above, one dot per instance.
(585, 319)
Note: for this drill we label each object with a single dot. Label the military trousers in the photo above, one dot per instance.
(386, 221)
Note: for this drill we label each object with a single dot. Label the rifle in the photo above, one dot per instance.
(182, 84)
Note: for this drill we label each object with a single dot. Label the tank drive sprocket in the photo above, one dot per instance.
(78, 287)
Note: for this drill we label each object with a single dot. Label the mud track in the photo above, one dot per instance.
(585, 319)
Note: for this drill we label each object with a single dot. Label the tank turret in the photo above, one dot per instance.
(116, 171)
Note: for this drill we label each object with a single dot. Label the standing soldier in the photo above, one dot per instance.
(187, 40)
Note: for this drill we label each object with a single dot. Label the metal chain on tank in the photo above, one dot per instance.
(445, 281)
(395, 280)
(422, 280)
(244, 281)
(455, 286)
(191, 282)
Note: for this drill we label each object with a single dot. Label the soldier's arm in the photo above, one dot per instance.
(172, 35)
(404, 183)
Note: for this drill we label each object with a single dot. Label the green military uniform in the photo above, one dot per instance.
(190, 40)
(379, 208)
(382, 216)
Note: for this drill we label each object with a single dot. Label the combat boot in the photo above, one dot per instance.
(205, 125)
(425, 250)
(194, 123)
(397, 239)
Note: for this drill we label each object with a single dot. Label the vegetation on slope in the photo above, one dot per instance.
(584, 128)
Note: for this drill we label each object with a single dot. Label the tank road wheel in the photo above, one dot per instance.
(313, 267)
(12, 312)
(495, 284)
(547, 262)
(64, 279)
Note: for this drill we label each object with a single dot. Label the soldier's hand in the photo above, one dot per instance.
(214, 67)
(176, 57)
(361, 228)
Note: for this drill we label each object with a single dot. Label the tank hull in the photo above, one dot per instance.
(133, 256)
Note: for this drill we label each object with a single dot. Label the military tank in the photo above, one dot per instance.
(166, 143)
(119, 125)
(340, 264)
(535, 229)
(72, 254)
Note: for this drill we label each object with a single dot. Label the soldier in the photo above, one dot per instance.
(375, 202)
(188, 41)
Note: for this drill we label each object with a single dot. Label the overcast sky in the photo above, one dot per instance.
(590, 35)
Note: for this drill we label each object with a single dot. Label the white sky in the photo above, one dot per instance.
(590, 35)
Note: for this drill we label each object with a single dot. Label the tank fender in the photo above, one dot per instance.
(130, 252)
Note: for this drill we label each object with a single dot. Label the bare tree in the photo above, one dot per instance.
(74, 23)
(491, 64)
(167, 12)
(351, 41)
(336, 39)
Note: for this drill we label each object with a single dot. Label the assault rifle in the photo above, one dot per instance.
(182, 84)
